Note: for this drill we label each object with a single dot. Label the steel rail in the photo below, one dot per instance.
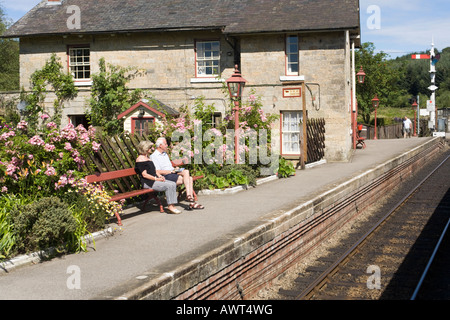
(322, 279)
(425, 272)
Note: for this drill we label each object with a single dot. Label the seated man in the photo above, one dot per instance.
(164, 167)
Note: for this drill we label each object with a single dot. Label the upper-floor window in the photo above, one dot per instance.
(292, 55)
(208, 58)
(79, 62)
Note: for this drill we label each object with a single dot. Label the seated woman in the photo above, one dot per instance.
(151, 180)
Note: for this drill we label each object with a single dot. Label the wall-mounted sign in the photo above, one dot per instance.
(292, 92)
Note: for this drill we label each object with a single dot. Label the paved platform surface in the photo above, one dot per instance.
(154, 242)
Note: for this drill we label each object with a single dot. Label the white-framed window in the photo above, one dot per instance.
(80, 62)
(207, 58)
(292, 55)
(290, 132)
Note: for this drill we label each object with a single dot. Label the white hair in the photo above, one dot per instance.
(159, 141)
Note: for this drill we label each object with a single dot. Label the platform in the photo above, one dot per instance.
(151, 245)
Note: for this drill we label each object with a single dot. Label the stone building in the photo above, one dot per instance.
(187, 49)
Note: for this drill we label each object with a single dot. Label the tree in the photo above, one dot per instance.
(381, 80)
(63, 85)
(110, 96)
(9, 58)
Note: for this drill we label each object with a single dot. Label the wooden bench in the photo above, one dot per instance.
(106, 176)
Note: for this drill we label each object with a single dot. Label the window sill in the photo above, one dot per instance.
(291, 156)
(206, 80)
(86, 83)
(292, 78)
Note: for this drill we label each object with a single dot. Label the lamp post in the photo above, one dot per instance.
(375, 103)
(414, 106)
(361, 77)
(236, 86)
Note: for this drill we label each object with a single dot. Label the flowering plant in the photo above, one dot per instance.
(45, 163)
(98, 200)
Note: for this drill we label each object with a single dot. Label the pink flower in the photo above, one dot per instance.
(50, 171)
(51, 125)
(83, 138)
(44, 116)
(96, 146)
(36, 140)
(4, 189)
(10, 169)
(68, 132)
(63, 180)
(22, 125)
(49, 147)
(91, 132)
(68, 146)
(6, 135)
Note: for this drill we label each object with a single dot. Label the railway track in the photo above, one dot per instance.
(391, 259)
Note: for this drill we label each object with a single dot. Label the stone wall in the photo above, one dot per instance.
(168, 64)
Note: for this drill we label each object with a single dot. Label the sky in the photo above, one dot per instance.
(396, 27)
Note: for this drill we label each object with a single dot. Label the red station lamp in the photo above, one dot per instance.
(361, 75)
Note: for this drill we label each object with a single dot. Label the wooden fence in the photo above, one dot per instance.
(386, 132)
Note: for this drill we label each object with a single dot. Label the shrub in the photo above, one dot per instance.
(45, 164)
(47, 222)
(224, 176)
(286, 168)
(92, 203)
(7, 238)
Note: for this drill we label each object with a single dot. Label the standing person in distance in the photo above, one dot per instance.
(407, 124)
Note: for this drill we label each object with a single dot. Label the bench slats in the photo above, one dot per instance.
(130, 194)
(104, 176)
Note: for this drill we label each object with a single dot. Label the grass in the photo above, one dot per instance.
(388, 114)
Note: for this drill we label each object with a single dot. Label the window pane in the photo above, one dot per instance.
(291, 132)
(293, 68)
(79, 62)
(208, 58)
(292, 55)
(293, 48)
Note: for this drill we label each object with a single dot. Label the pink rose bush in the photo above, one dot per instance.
(46, 163)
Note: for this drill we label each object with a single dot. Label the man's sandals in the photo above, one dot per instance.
(195, 205)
